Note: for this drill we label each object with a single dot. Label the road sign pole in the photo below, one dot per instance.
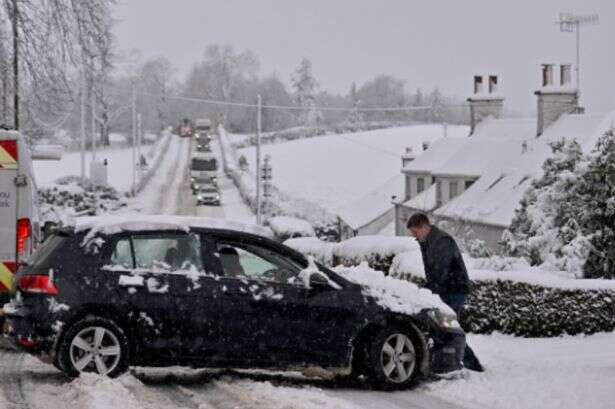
(258, 160)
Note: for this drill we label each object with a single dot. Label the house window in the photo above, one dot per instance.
(438, 193)
(468, 183)
(452, 188)
(420, 185)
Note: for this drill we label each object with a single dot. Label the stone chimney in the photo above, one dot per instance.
(485, 102)
(407, 157)
(556, 96)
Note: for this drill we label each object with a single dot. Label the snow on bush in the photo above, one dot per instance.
(395, 295)
(322, 251)
(497, 263)
(378, 251)
(565, 220)
(407, 264)
(285, 227)
(69, 197)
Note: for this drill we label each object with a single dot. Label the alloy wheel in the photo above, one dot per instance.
(95, 349)
(398, 358)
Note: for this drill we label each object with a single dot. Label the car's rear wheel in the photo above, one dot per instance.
(392, 359)
(95, 345)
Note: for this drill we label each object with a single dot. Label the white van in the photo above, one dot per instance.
(20, 229)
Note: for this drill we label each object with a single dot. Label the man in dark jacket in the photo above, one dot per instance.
(445, 270)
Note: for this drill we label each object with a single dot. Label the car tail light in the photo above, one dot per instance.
(24, 232)
(26, 342)
(37, 284)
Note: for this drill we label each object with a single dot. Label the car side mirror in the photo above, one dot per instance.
(319, 281)
(48, 229)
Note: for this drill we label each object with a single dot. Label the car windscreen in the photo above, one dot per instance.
(208, 189)
(204, 164)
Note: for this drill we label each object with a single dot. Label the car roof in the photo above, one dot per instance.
(111, 224)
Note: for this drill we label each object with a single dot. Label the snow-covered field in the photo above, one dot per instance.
(335, 170)
(119, 166)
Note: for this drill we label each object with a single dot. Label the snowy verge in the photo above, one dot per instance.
(91, 391)
(155, 155)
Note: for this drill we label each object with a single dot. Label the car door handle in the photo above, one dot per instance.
(131, 281)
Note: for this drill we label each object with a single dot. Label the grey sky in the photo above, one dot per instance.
(427, 43)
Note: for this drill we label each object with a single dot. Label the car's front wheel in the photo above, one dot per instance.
(96, 345)
(392, 359)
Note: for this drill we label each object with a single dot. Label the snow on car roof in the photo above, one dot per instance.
(110, 224)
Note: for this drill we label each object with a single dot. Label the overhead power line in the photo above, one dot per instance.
(291, 107)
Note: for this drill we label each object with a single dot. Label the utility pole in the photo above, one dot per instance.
(93, 106)
(258, 160)
(83, 86)
(134, 139)
(139, 130)
(15, 65)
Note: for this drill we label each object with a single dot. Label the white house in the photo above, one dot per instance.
(478, 185)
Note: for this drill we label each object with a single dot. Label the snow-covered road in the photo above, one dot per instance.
(570, 372)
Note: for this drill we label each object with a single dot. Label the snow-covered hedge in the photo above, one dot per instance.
(527, 302)
(68, 198)
(322, 251)
(285, 227)
(377, 251)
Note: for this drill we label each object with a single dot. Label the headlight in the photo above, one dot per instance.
(443, 319)
(196, 187)
(217, 197)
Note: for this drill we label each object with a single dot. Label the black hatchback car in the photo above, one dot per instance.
(157, 293)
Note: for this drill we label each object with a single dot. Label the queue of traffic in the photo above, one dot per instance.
(203, 164)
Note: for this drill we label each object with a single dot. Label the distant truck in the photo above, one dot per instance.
(204, 166)
(203, 128)
(20, 229)
(186, 129)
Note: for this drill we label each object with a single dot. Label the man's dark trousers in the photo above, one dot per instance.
(456, 301)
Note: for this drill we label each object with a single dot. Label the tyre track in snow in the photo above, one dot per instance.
(11, 378)
(171, 190)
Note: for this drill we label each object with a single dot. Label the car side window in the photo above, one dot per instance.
(241, 260)
(162, 253)
(122, 254)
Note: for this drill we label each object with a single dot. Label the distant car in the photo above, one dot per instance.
(203, 147)
(208, 194)
(198, 183)
(162, 290)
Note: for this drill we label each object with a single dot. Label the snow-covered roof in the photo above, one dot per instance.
(374, 204)
(110, 224)
(493, 198)
(439, 152)
(426, 200)
(493, 142)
